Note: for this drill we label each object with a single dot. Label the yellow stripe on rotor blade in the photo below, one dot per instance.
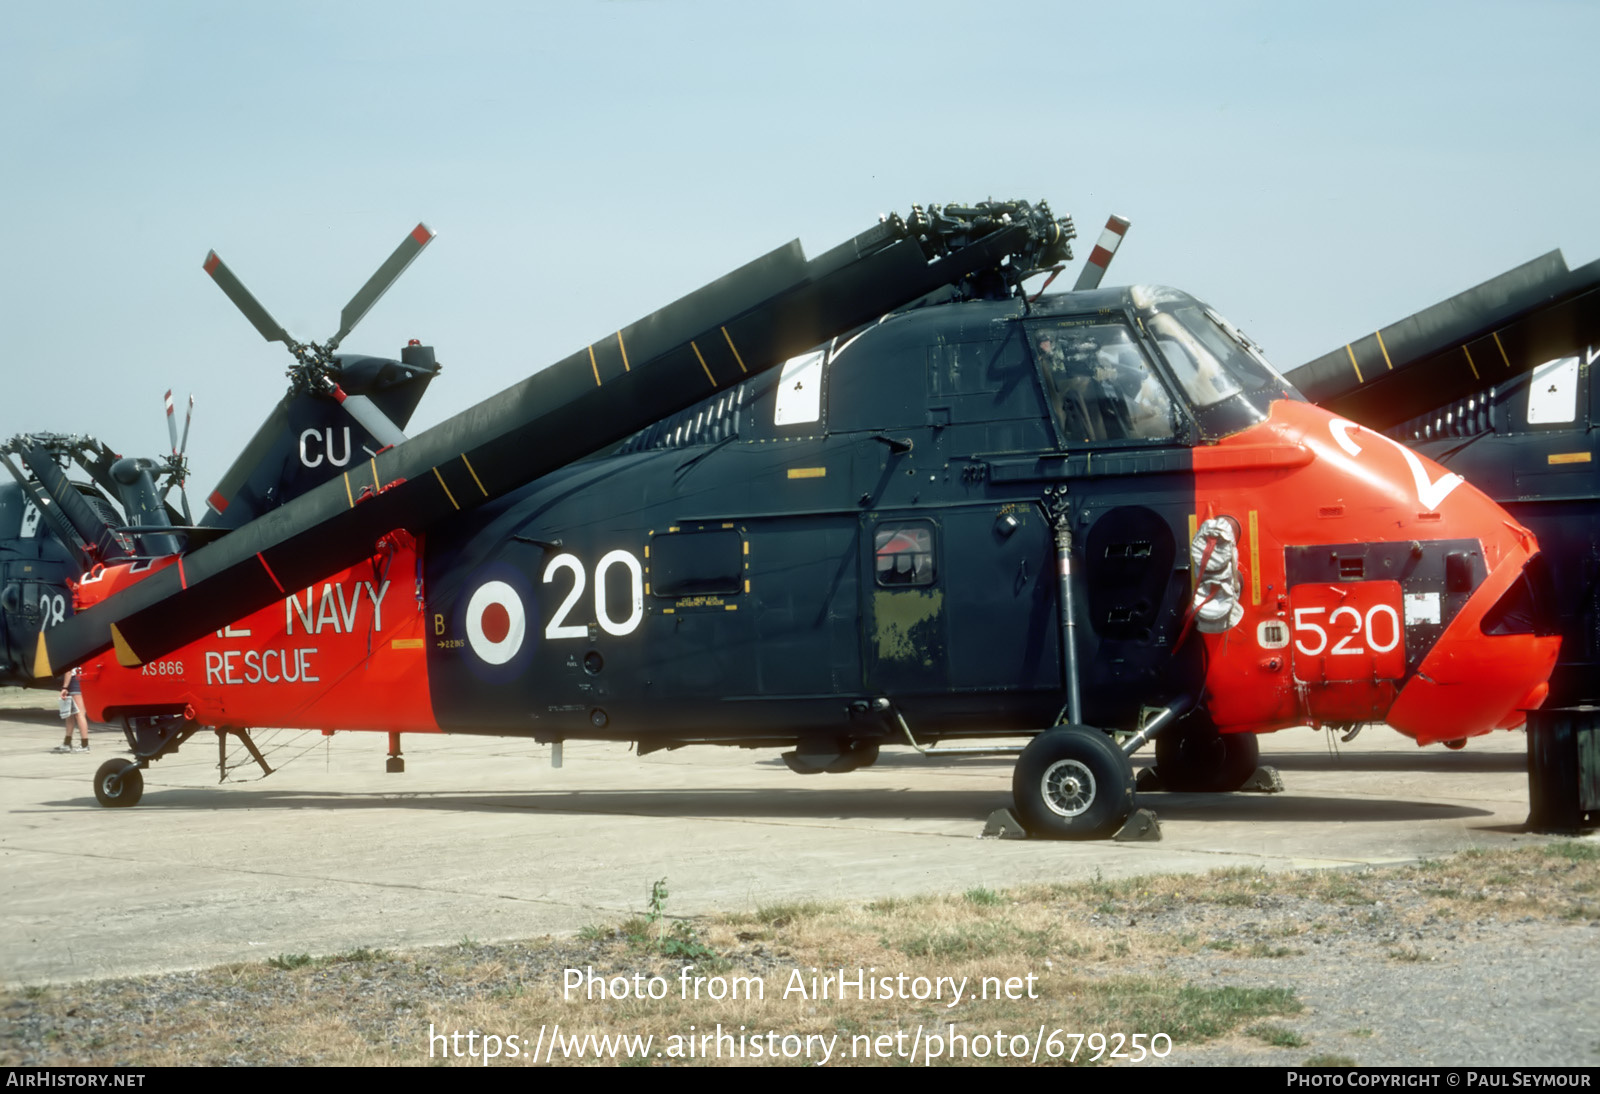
(1470, 364)
(1353, 364)
(446, 488)
(1379, 335)
(624, 350)
(703, 364)
(594, 366)
(474, 474)
(1502, 347)
(735, 350)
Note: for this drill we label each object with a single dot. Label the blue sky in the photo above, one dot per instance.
(1311, 171)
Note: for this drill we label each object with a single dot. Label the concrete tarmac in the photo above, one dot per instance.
(481, 838)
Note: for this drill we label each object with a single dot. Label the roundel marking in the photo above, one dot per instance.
(496, 623)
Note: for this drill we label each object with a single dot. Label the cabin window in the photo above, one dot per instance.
(707, 563)
(1101, 384)
(903, 553)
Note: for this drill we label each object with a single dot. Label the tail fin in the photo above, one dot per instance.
(309, 438)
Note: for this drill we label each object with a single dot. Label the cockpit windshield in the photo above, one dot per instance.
(1149, 364)
(1225, 379)
(1210, 359)
(1101, 384)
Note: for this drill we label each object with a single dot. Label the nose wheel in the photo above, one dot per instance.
(118, 784)
(1072, 783)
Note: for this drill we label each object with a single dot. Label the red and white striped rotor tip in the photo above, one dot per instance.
(1094, 268)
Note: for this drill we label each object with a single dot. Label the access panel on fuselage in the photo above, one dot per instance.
(1131, 558)
(958, 599)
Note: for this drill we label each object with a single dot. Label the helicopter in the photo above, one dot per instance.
(53, 528)
(1497, 384)
(882, 496)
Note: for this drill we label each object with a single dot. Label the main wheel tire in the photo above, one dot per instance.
(1193, 756)
(862, 754)
(118, 784)
(1072, 783)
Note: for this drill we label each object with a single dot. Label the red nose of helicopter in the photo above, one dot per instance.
(1370, 585)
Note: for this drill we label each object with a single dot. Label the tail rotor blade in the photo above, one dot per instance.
(253, 311)
(379, 283)
(373, 420)
(183, 446)
(172, 426)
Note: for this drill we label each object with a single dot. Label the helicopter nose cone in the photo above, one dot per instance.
(1493, 663)
(1403, 595)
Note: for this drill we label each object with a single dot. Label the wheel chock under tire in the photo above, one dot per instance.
(1266, 780)
(1003, 824)
(1140, 827)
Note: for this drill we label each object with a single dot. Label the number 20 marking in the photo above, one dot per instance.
(558, 627)
(1362, 628)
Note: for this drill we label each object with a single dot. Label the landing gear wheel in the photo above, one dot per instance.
(1072, 783)
(118, 784)
(862, 754)
(1193, 756)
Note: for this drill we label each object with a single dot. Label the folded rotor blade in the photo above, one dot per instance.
(96, 459)
(183, 445)
(90, 527)
(410, 247)
(1460, 346)
(51, 514)
(253, 311)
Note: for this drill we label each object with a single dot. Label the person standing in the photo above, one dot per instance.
(72, 711)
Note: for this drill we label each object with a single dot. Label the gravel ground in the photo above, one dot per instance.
(1382, 988)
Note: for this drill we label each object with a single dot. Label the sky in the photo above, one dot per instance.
(1312, 171)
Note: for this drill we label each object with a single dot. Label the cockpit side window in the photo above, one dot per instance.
(1100, 383)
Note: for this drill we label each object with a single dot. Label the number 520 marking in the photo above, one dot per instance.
(1367, 628)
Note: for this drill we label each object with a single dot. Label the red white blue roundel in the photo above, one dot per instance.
(496, 623)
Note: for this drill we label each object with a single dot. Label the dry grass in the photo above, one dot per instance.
(1095, 953)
